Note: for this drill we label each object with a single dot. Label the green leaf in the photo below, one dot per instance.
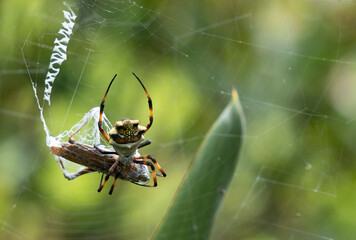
(193, 210)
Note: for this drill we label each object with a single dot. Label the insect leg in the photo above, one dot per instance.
(80, 173)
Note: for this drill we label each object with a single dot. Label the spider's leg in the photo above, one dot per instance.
(71, 176)
(144, 144)
(149, 104)
(102, 110)
(155, 163)
(101, 179)
(113, 184)
(153, 173)
(103, 151)
(103, 184)
(80, 173)
(111, 170)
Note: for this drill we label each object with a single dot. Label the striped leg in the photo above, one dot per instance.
(149, 104)
(155, 163)
(153, 173)
(111, 170)
(113, 184)
(102, 111)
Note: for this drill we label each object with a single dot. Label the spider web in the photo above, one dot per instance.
(293, 63)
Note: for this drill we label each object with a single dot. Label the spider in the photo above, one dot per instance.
(126, 137)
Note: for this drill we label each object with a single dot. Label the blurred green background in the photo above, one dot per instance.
(293, 63)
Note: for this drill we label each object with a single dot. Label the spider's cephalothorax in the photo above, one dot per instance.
(126, 137)
(126, 131)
